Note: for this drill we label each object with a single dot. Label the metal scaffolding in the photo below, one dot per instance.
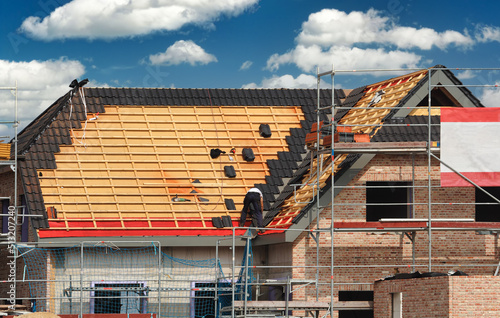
(315, 231)
(13, 209)
(428, 225)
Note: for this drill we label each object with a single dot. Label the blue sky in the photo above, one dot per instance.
(235, 44)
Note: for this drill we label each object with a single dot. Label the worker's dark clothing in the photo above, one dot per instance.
(252, 198)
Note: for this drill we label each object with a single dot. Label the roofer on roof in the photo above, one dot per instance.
(254, 198)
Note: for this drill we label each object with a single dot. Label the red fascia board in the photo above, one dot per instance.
(131, 223)
(136, 232)
(110, 228)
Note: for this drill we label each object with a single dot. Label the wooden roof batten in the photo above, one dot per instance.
(202, 160)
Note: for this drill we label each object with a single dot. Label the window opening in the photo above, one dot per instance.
(5, 216)
(118, 298)
(397, 305)
(203, 298)
(487, 212)
(395, 194)
(349, 295)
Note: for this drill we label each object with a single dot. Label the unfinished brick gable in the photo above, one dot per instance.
(363, 257)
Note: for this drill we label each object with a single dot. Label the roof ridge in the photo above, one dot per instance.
(278, 97)
(212, 88)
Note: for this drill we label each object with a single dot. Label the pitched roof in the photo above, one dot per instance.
(113, 165)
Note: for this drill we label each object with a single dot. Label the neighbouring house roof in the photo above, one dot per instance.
(4, 151)
(108, 162)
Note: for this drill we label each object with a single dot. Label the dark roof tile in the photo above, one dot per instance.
(306, 125)
(290, 141)
(408, 129)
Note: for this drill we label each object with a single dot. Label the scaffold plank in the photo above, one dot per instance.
(303, 305)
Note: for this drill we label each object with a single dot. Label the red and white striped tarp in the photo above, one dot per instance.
(470, 144)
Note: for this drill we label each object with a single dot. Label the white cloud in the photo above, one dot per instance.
(97, 19)
(358, 40)
(246, 65)
(467, 74)
(491, 96)
(348, 58)
(288, 81)
(40, 83)
(333, 27)
(182, 52)
(94, 83)
(485, 33)
(424, 38)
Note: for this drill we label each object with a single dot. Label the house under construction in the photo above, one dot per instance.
(124, 207)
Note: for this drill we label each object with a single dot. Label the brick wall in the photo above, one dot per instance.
(475, 296)
(393, 251)
(447, 296)
(7, 190)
